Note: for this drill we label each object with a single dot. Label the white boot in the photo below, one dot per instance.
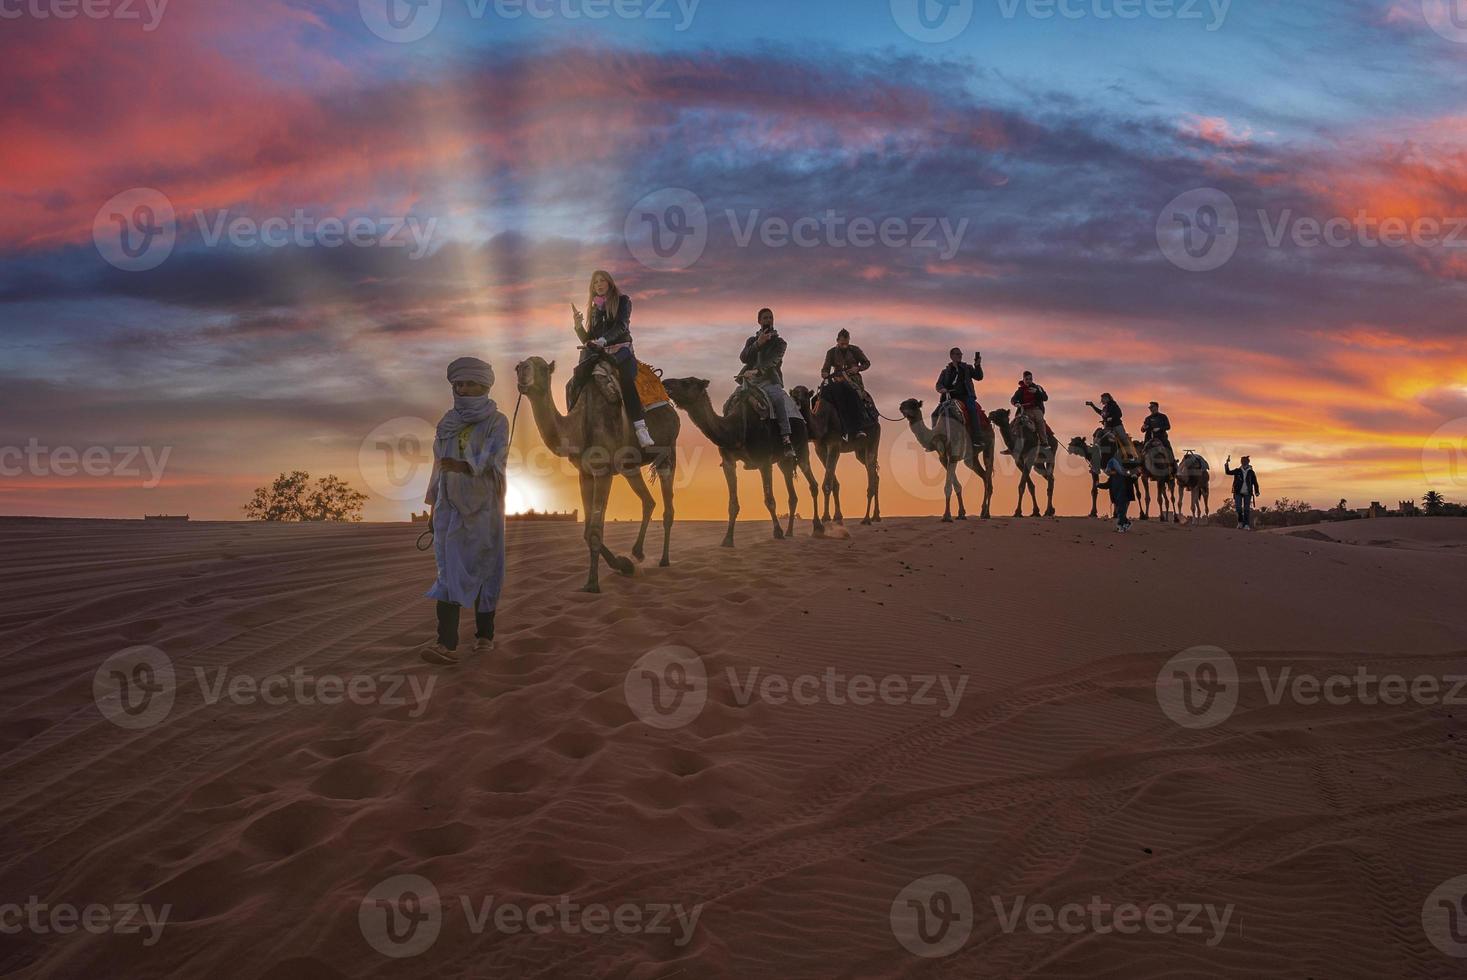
(643, 436)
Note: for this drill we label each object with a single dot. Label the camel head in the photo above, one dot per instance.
(1078, 447)
(533, 375)
(911, 410)
(802, 396)
(685, 392)
(1000, 418)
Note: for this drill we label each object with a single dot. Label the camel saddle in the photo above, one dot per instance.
(758, 399)
(649, 384)
(867, 402)
(959, 410)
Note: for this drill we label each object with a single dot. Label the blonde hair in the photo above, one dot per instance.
(613, 295)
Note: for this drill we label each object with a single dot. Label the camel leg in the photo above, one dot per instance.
(873, 486)
(666, 476)
(958, 489)
(766, 477)
(787, 467)
(731, 477)
(639, 487)
(1094, 494)
(947, 492)
(986, 474)
(1023, 479)
(832, 482)
(804, 464)
(593, 532)
(1049, 492)
(621, 564)
(1145, 499)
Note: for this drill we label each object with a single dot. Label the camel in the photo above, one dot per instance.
(743, 437)
(1158, 466)
(1192, 476)
(599, 440)
(823, 425)
(1023, 443)
(949, 438)
(1098, 453)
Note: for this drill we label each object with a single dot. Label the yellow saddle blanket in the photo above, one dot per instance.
(649, 386)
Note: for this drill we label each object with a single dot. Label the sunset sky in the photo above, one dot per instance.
(522, 148)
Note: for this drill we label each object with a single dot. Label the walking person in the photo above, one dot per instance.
(1119, 483)
(1245, 490)
(610, 335)
(466, 493)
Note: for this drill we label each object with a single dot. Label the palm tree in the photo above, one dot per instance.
(1433, 502)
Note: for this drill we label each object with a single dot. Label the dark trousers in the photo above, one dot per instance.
(974, 426)
(848, 406)
(625, 363)
(448, 624)
(1122, 504)
(1243, 503)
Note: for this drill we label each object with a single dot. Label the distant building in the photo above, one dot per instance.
(1377, 509)
(1409, 509)
(178, 518)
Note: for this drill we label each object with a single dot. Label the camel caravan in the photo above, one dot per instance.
(622, 417)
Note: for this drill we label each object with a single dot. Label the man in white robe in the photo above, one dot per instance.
(466, 494)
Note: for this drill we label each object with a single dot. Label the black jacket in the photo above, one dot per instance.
(767, 361)
(607, 328)
(1243, 477)
(1156, 424)
(961, 377)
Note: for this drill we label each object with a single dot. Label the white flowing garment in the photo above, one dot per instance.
(468, 510)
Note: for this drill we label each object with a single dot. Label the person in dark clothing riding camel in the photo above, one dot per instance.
(958, 381)
(843, 385)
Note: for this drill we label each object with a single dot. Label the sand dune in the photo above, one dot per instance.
(1019, 748)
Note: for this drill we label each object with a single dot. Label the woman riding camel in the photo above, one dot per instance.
(609, 335)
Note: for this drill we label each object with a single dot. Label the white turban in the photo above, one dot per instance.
(471, 369)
